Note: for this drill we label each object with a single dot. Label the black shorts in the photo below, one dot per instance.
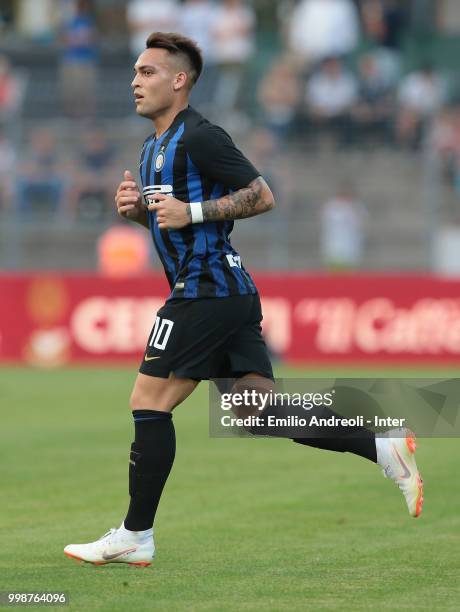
(207, 338)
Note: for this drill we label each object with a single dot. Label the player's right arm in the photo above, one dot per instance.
(129, 201)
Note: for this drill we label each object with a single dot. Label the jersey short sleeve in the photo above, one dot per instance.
(216, 157)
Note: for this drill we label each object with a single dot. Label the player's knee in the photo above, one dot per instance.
(253, 385)
(155, 393)
(133, 400)
(252, 393)
(256, 382)
(152, 399)
(141, 401)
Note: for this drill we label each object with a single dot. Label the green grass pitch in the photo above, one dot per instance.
(245, 524)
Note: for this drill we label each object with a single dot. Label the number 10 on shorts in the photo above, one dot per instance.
(161, 332)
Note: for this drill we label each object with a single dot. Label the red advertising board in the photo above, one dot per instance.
(53, 319)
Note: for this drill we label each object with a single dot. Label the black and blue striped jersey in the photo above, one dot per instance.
(195, 161)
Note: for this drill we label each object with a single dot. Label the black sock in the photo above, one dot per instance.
(362, 445)
(151, 460)
(357, 440)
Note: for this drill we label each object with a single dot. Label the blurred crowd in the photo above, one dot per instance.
(342, 72)
(52, 181)
(339, 75)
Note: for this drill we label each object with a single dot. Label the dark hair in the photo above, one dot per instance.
(176, 44)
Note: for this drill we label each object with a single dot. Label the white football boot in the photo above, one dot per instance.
(116, 546)
(396, 455)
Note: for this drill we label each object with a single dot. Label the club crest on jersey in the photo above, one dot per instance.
(160, 161)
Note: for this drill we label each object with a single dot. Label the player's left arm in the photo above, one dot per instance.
(250, 201)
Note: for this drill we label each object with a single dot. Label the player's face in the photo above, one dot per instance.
(153, 83)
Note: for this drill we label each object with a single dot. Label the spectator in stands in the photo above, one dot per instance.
(92, 192)
(233, 42)
(342, 222)
(147, 16)
(40, 182)
(384, 22)
(279, 96)
(7, 165)
(4, 17)
(330, 95)
(197, 21)
(10, 92)
(373, 111)
(421, 95)
(35, 20)
(444, 143)
(265, 154)
(323, 28)
(384, 25)
(79, 62)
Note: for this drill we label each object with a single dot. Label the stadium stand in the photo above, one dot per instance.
(406, 195)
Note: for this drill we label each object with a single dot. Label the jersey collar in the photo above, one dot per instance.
(176, 120)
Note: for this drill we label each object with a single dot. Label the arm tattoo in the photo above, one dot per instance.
(252, 200)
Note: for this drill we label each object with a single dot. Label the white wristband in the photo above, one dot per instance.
(196, 210)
